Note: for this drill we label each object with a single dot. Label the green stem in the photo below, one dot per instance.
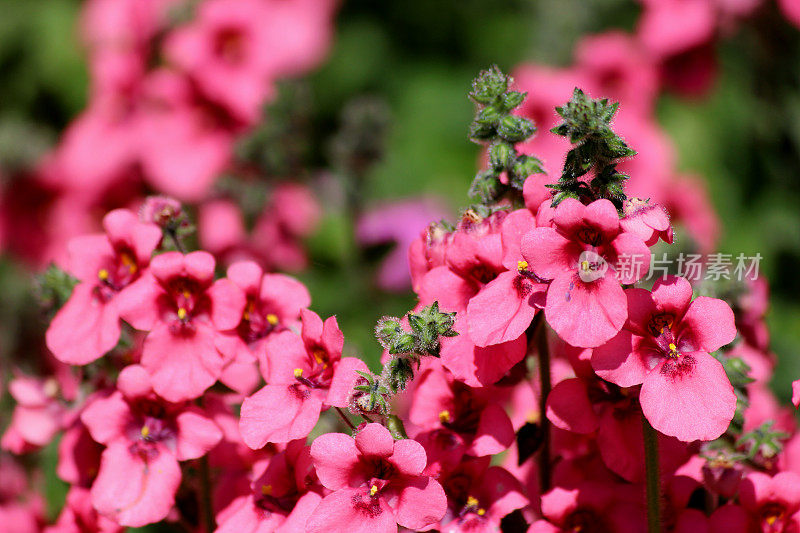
(544, 376)
(344, 417)
(653, 482)
(205, 495)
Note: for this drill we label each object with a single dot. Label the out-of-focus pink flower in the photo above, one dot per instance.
(37, 417)
(145, 437)
(377, 484)
(399, 224)
(79, 515)
(773, 502)
(791, 10)
(690, 206)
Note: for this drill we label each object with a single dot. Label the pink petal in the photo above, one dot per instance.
(137, 302)
(602, 214)
(335, 459)
(617, 361)
(296, 520)
(196, 435)
(690, 399)
(287, 294)
(502, 311)
(133, 491)
(586, 314)
(134, 381)
(548, 253)
(672, 295)
(312, 326)
(85, 328)
(246, 275)
(514, 228)
(351, 511)
(495, 432)
(375, 440)
(633, 257)
(278, 413)
(182, 365)
(409, 457)
(709, 324)
(227, 304)
(492, 362)
(88, 254)
(123, 227)
(107, 418)
(569, 408)
(796, 392)
(285, 351)
(344, 377)
(422, 502)
(199, 266)
(569, 215)
(641, 309)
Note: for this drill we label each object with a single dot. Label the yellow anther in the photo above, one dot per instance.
(298, 372)
(481, 512)
(444, 416)
(472, 501)
(585, 266)
(771, 519)
(533, 417)
(272, 319)
(672, 348)
(373, 490)
(266, 490)
(181, 313)
(320, 355)
(522, 265)
(145, 431)
(186, 293)
(103, 274)
(128, 261)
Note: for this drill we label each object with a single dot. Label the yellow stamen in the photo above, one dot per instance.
(771, 519)
(522, 265)
(186, 293)
(585, 266)
(298, 372)
(145, 431)
(272, 319)
(373, 490)
(103, 274)
(128, 261)
(181, 313)
(444, 416)
(266, 490)
(472, 501)
(533, 417)
(673, 349)
(481, 512)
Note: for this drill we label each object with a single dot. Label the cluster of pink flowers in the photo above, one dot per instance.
(173, 85)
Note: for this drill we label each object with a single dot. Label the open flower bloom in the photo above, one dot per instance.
(665, 346)
(106, 265)
(586, 255)
(185, 310)
(377, 484)
(37, 417)
(145, 437)
(280, 500)
(773, 502)
(306, 375)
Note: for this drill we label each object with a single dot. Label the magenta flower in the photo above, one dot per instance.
(377, 484)
(145, 437)
(772, 502)
(649, 221)
(307, 374)
(185, 311)
(106, 265)
(37, 417)
(479, 496)
(280, 500)
(79, 515)
(665, 346)
(273, 303)
(470, 416)
(585, 303)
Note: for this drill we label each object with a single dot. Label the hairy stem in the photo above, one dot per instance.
(544, 376)
(344, 417)
(653, 482)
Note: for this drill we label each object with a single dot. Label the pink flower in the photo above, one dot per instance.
(306, 375)
(78, 455)
(185, 311)
(649, 221)
(479, 496)
(469, 416)
(592, 405)
(226, 50)
(106, 265)
(79, 515)
(37, 417)
(585, 303)
(376, 483)
(273, 303)
(773, 502)
(665, 346)
(791, 10)
(280, 500)
(399, 224)
(145, 437)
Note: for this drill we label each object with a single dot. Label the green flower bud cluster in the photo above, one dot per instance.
(54, 287)
(496, 126)
(586, 122)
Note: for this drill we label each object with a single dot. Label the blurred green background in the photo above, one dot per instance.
(417, 58)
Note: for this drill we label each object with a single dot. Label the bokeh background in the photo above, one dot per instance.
(384, 119)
